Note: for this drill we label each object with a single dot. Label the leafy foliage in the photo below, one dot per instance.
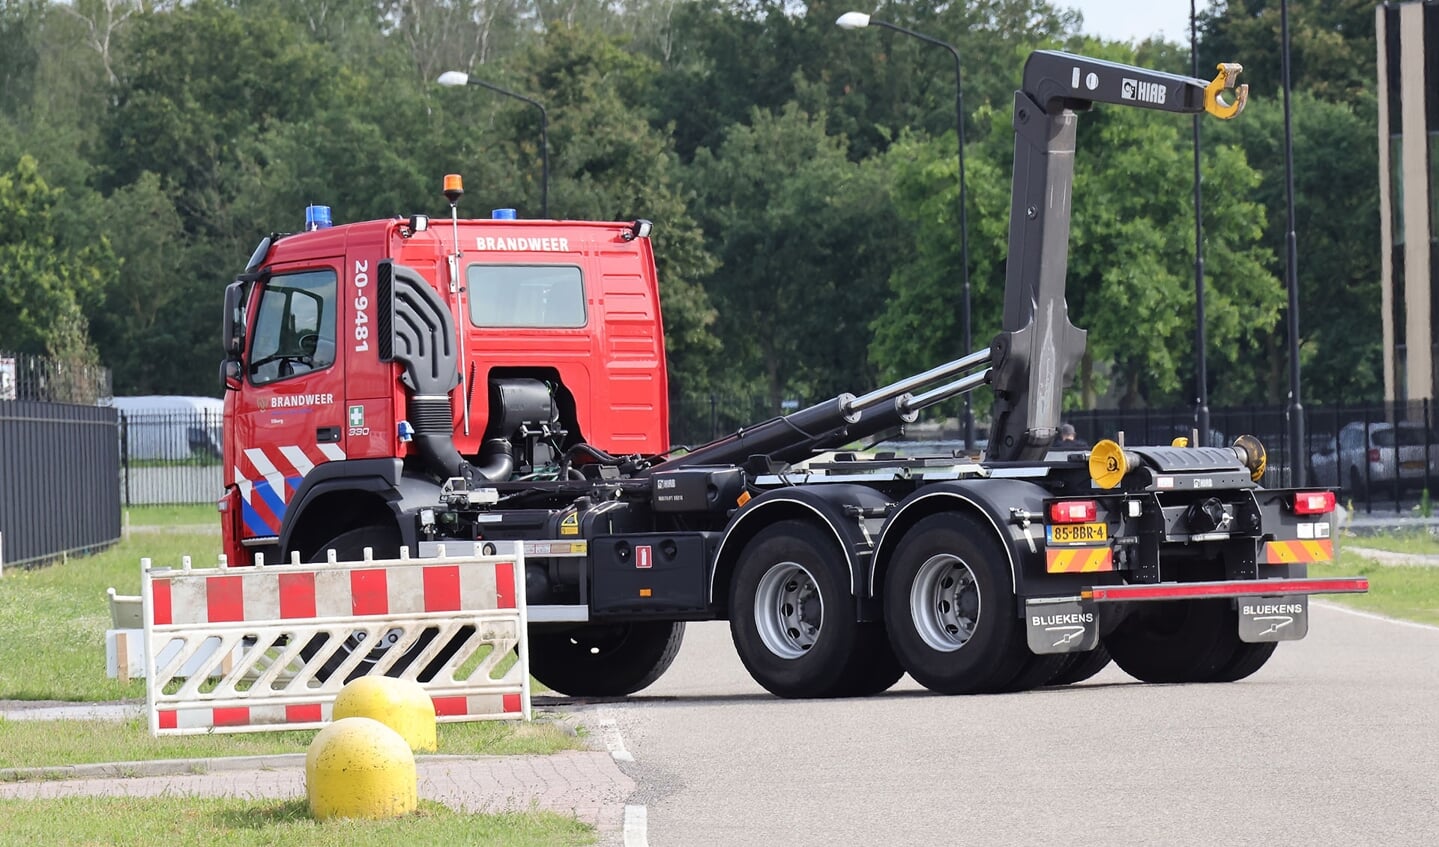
(802, 179)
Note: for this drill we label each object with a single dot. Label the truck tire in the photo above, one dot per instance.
(793, 619)
(1081, 666)
(874, 668)
(605, 660)
(1036, 671)
(1175, 641)
(1248, 658)
(384, 543)
(949, 608)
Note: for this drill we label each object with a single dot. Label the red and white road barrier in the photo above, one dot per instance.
(269, 647)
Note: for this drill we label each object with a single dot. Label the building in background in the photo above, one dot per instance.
(1408, 39)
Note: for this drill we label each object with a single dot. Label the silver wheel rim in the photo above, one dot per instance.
(788, 610)
(944, 603)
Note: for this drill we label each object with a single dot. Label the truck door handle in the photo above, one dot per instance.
(328, 435)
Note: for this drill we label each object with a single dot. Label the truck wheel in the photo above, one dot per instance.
(1081, 666)
(949, 608)
(384, 543)
(1036, 671)
(792, 617)
(1248, 658)
(605, 660)
(1175, 641)
(874, 668)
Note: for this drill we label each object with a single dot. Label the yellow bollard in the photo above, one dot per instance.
(360, 768)
(400, 704)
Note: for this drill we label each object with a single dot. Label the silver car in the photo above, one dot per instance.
(1373, 456)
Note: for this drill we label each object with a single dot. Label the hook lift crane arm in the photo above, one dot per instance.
(1035, 354)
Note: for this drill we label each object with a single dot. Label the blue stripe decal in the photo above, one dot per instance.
(265, 492)
(253, 522)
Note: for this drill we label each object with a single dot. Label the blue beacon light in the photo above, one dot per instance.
(317, 217)
(503, 215)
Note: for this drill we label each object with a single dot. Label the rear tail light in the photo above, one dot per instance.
(1313, 502)
(1073, 511)
(1373, 454)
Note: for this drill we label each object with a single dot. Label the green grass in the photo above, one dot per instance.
(199, 514)
(1417, 541)
(55, 617)
(34, 744)
(1407, 592)
(143, 822)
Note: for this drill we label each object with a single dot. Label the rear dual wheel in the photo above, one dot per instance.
(949, 607)
(1078, 667)
(794, 622)
(1185, 641)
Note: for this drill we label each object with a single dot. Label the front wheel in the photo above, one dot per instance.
(949, 608)
(605, 660)
(384, 543)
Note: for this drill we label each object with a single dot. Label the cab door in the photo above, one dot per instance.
(292, 417)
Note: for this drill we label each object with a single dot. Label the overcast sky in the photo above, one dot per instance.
(1128, 20)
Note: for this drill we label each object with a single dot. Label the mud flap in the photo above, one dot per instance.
(1061, 625)
(1273, 618)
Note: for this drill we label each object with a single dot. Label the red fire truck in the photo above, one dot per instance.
(399, 382)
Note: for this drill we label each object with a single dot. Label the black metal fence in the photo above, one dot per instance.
(170, 457)
(58, 469)
(1381, 457)
(44, 380)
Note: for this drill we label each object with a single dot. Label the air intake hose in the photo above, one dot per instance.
(416, 330)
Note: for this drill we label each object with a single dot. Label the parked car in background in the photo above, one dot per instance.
(1374, 456)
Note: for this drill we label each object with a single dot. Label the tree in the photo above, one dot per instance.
(1337, 230)
(1332, 45)
(50, 274)
(1129, 283)
(609, 163)
(802, 234)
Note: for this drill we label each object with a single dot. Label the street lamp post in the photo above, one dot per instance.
(1298, 447)
(1201, 373)
(462, 78)
(859, 20)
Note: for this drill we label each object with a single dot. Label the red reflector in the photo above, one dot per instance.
(1313, 502)
(1073, 511)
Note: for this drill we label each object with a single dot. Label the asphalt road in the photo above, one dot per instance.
(1335, 741)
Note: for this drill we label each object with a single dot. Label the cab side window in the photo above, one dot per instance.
(294, 329)
(538, 296)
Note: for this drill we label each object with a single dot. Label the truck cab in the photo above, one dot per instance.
(553, 328)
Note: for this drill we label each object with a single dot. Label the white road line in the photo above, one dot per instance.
(637, 819)
(1373, 617)
(610, 733)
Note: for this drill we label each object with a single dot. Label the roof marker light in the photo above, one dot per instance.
(317, 217)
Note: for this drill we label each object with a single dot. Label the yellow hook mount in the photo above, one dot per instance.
(1228, 71)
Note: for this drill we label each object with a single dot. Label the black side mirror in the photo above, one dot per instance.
(232, 331)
